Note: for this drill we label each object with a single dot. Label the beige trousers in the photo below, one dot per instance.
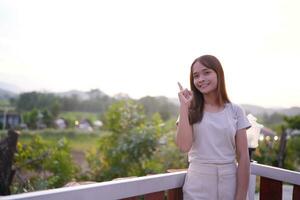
(210, 181)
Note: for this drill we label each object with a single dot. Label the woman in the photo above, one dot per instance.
(213, 132)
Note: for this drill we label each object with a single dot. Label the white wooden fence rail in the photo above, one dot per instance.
(120, 189)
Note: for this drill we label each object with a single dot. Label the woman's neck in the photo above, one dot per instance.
(211, 104)
(211, 100)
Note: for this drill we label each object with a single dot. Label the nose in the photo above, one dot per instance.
(200, 79)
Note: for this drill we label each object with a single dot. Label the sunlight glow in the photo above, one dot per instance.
(144, 48)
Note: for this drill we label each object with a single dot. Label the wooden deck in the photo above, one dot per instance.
(169, 185)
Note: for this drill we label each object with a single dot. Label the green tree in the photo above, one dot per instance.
(285, 152)
(55, 108)
(50, 165)
(123, 116)
(31, 118)
(47, 118)
(167, 155)
(129, 144)
(30, 100)
(293, 122)
(160, 105)
(289, 146)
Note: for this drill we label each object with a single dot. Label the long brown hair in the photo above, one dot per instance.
(197, 105)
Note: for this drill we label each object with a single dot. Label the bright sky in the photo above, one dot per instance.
(144, 47)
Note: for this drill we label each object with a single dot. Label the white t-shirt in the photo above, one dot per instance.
(214, 136)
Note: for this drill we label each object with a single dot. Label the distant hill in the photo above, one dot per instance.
(174, 101)
(291, 111)
(258, 110)
(8, 91)
(5, 94)
(81, 94)
(10, 88)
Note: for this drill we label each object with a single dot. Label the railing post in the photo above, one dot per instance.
(155, 196)
(270, 189)
(131, 198)
(175, 194)
(251, 189)
(296, 192)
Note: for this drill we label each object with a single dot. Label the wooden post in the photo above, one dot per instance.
(175, 194)
(131, 198)
(251, 188)
(8, 147)
(155, 196)
(270, 189)
(281, 154)
(296, 192)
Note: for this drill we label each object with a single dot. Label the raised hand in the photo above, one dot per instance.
(185, 96)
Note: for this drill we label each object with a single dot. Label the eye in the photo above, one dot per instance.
(206, 72)
(195, 76)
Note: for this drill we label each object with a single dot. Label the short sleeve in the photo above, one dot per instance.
(242, 120)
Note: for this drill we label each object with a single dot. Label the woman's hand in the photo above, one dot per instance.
(185, 96)
(184, 135)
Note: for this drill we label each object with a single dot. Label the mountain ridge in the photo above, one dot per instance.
(6, 93)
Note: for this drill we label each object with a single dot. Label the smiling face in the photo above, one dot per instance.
(204, 79)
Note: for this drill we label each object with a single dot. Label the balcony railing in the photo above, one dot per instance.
(169, 185)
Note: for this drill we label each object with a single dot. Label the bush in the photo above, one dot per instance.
(42, 165)
(131, 141)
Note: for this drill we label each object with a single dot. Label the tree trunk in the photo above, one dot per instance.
(281, 154)
(8, 147)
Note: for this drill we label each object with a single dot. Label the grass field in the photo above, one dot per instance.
(78, 140)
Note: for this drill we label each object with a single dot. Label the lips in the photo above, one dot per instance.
(204, 85)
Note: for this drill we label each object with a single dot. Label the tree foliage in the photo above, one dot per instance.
(50, 165)
(50, 105)
(132, 140)
(293, 122)
(268, 151)
(38, 118)
(35, 100)
(292, 153)
(160, 105)
(123, 116)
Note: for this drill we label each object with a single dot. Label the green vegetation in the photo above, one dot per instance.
(132, 147)
(4, 103)
(137, 138)
(50, 164)
(40, 109)
(284, 152)
(131, 143)
(77, 140)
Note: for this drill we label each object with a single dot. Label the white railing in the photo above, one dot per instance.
(271, 182)
(276, 173)
(133, 187)
(118, 189)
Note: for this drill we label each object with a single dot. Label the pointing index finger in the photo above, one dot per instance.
(180, 86)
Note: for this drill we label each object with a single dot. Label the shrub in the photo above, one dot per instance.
(42, 165)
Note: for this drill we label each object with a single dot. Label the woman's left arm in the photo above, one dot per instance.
(243, 170)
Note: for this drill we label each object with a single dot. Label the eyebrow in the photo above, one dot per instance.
(203, 70)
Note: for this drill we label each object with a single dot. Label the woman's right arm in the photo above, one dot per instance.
(184, 135)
